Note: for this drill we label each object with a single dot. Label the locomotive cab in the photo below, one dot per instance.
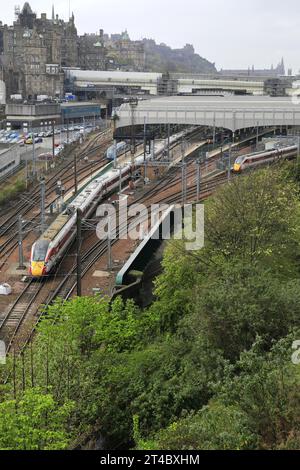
(38, 263)
(237, 167)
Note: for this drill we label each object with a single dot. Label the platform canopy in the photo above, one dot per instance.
(231, 112)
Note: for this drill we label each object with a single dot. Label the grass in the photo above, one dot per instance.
(12, 190)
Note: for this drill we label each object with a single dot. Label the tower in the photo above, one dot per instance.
(281, 68)
(27, 17)
(17, 12)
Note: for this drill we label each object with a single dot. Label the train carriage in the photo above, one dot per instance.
(246, 162)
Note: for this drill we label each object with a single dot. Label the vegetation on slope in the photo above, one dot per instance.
(10, 191)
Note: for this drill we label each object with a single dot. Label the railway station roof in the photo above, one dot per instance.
(231, 112)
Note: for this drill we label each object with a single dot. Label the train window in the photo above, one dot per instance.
(239, 160)
(40, 250)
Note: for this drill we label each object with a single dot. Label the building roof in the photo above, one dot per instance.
(231, 112)
(91, 75)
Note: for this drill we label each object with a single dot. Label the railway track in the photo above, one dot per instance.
(26, 304)
(11, 321)
(9, 226)
(65, 287)
(32, 196)
(10, 244)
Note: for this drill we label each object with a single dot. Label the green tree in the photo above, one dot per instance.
(34, 422)
(256, 218)
(233, 307)
(265, 386)
(215, 427)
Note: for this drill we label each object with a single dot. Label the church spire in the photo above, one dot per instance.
(282, 67)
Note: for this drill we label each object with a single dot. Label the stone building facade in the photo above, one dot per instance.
(273, 72)
(125, 54)
(92, 52)
(115, 52)
(34, 50)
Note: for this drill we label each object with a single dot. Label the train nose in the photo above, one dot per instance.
(237, 167)
(38, 269)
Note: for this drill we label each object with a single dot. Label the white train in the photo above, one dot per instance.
(47, 251)
(245, 162)
(120, 148)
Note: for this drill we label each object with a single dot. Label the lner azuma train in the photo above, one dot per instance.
(49, 249)
(245, 162)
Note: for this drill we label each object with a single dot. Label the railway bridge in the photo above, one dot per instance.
(230, 112)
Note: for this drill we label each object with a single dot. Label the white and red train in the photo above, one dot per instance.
(245, 162)
(49, 249)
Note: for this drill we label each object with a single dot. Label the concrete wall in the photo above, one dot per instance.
(9, 160)
(32, 110)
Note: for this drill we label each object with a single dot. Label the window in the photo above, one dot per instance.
(40, 250)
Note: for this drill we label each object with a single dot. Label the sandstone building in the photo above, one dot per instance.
(34, 50)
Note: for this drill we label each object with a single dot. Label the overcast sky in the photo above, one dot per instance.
(231, 33)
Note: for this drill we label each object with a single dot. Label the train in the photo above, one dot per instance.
(245, 162)
(50, 248)
(120, 148)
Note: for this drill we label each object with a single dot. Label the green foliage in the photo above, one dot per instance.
(33, 422)
(76, 345)
(215, 427)
(174, 288)
(123, 327)
(241, 303)
(12, 190)
(255, 218)
(266, 387)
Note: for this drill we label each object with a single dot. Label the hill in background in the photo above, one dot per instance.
(162, 58)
